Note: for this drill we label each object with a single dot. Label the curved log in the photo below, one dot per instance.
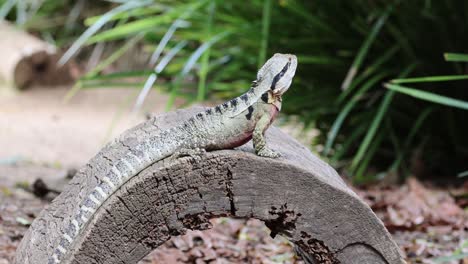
(298, 196)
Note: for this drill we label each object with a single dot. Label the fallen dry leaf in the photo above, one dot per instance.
(415, 207)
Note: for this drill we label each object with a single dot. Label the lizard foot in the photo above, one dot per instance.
(268, 153)
(195, 154)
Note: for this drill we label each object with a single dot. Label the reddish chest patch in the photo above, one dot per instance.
(247, 136)
(241, 140)
(273, 113)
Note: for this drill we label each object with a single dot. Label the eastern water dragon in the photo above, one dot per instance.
(225, 126)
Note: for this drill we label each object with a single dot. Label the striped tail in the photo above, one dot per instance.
(127, 167)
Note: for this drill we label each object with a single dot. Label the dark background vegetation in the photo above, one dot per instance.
(347, 51)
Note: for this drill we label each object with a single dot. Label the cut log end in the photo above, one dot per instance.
(29, 61)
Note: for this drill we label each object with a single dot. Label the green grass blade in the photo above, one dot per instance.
(376, 123)
(75, 88)
(96, 26)
(412, 133)
(165, 39)
(364, 50)
(460, 57)
(114, 56)
(178, 23)
(336, 127)
(118, 75)
(427, 96)
(381, 60)
(20, 12)
(6, 8)
(169, 56)
(374, 67)
(319, 60)
(372, 130)
(102, 65)
(125, 30)
(311, 18)
(109, 84)
(402, 40)
(205, 59)
(346, 110)
(157, 70)
(74, 15)
(144, 91)
(136, 12)
(266, 21)
(191, 63)
(360, 171)
(348, 143)
(200, 50)
(394, 139)
(442, 78)
(144, 24)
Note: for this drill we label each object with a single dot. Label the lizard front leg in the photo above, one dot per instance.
(196, 154)
(258, 138)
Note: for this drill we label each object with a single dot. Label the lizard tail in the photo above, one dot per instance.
(130, 165)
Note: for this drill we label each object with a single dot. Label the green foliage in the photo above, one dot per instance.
(56, 21)
(431, 97)
(346, 51)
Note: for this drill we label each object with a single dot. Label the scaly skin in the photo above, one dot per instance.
(225, 126)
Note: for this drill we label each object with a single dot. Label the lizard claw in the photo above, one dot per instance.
(268, 153)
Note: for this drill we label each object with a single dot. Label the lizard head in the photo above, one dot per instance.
(277, 73)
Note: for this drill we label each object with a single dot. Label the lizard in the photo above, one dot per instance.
(225, 126)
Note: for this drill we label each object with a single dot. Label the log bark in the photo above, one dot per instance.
(298, 196)
(27, 60)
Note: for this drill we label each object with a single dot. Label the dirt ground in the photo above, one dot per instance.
(36, 125)
(41, 137)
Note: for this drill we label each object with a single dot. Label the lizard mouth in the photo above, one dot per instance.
(281, 90)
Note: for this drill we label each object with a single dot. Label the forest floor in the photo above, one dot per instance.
(43, 138)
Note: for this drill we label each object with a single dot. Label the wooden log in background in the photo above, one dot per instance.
(298, 196)
(27, 60)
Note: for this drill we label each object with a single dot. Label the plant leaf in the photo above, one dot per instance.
(346, 110)
(442, 78)
(96, 26)
(191, 63)
(427, 96)
(206, 56)
(144, 24)
(372, 130)
(412, 133)
(157, 70)
(365, 48)
(266, 21)
(456, 57)
(376, 123)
